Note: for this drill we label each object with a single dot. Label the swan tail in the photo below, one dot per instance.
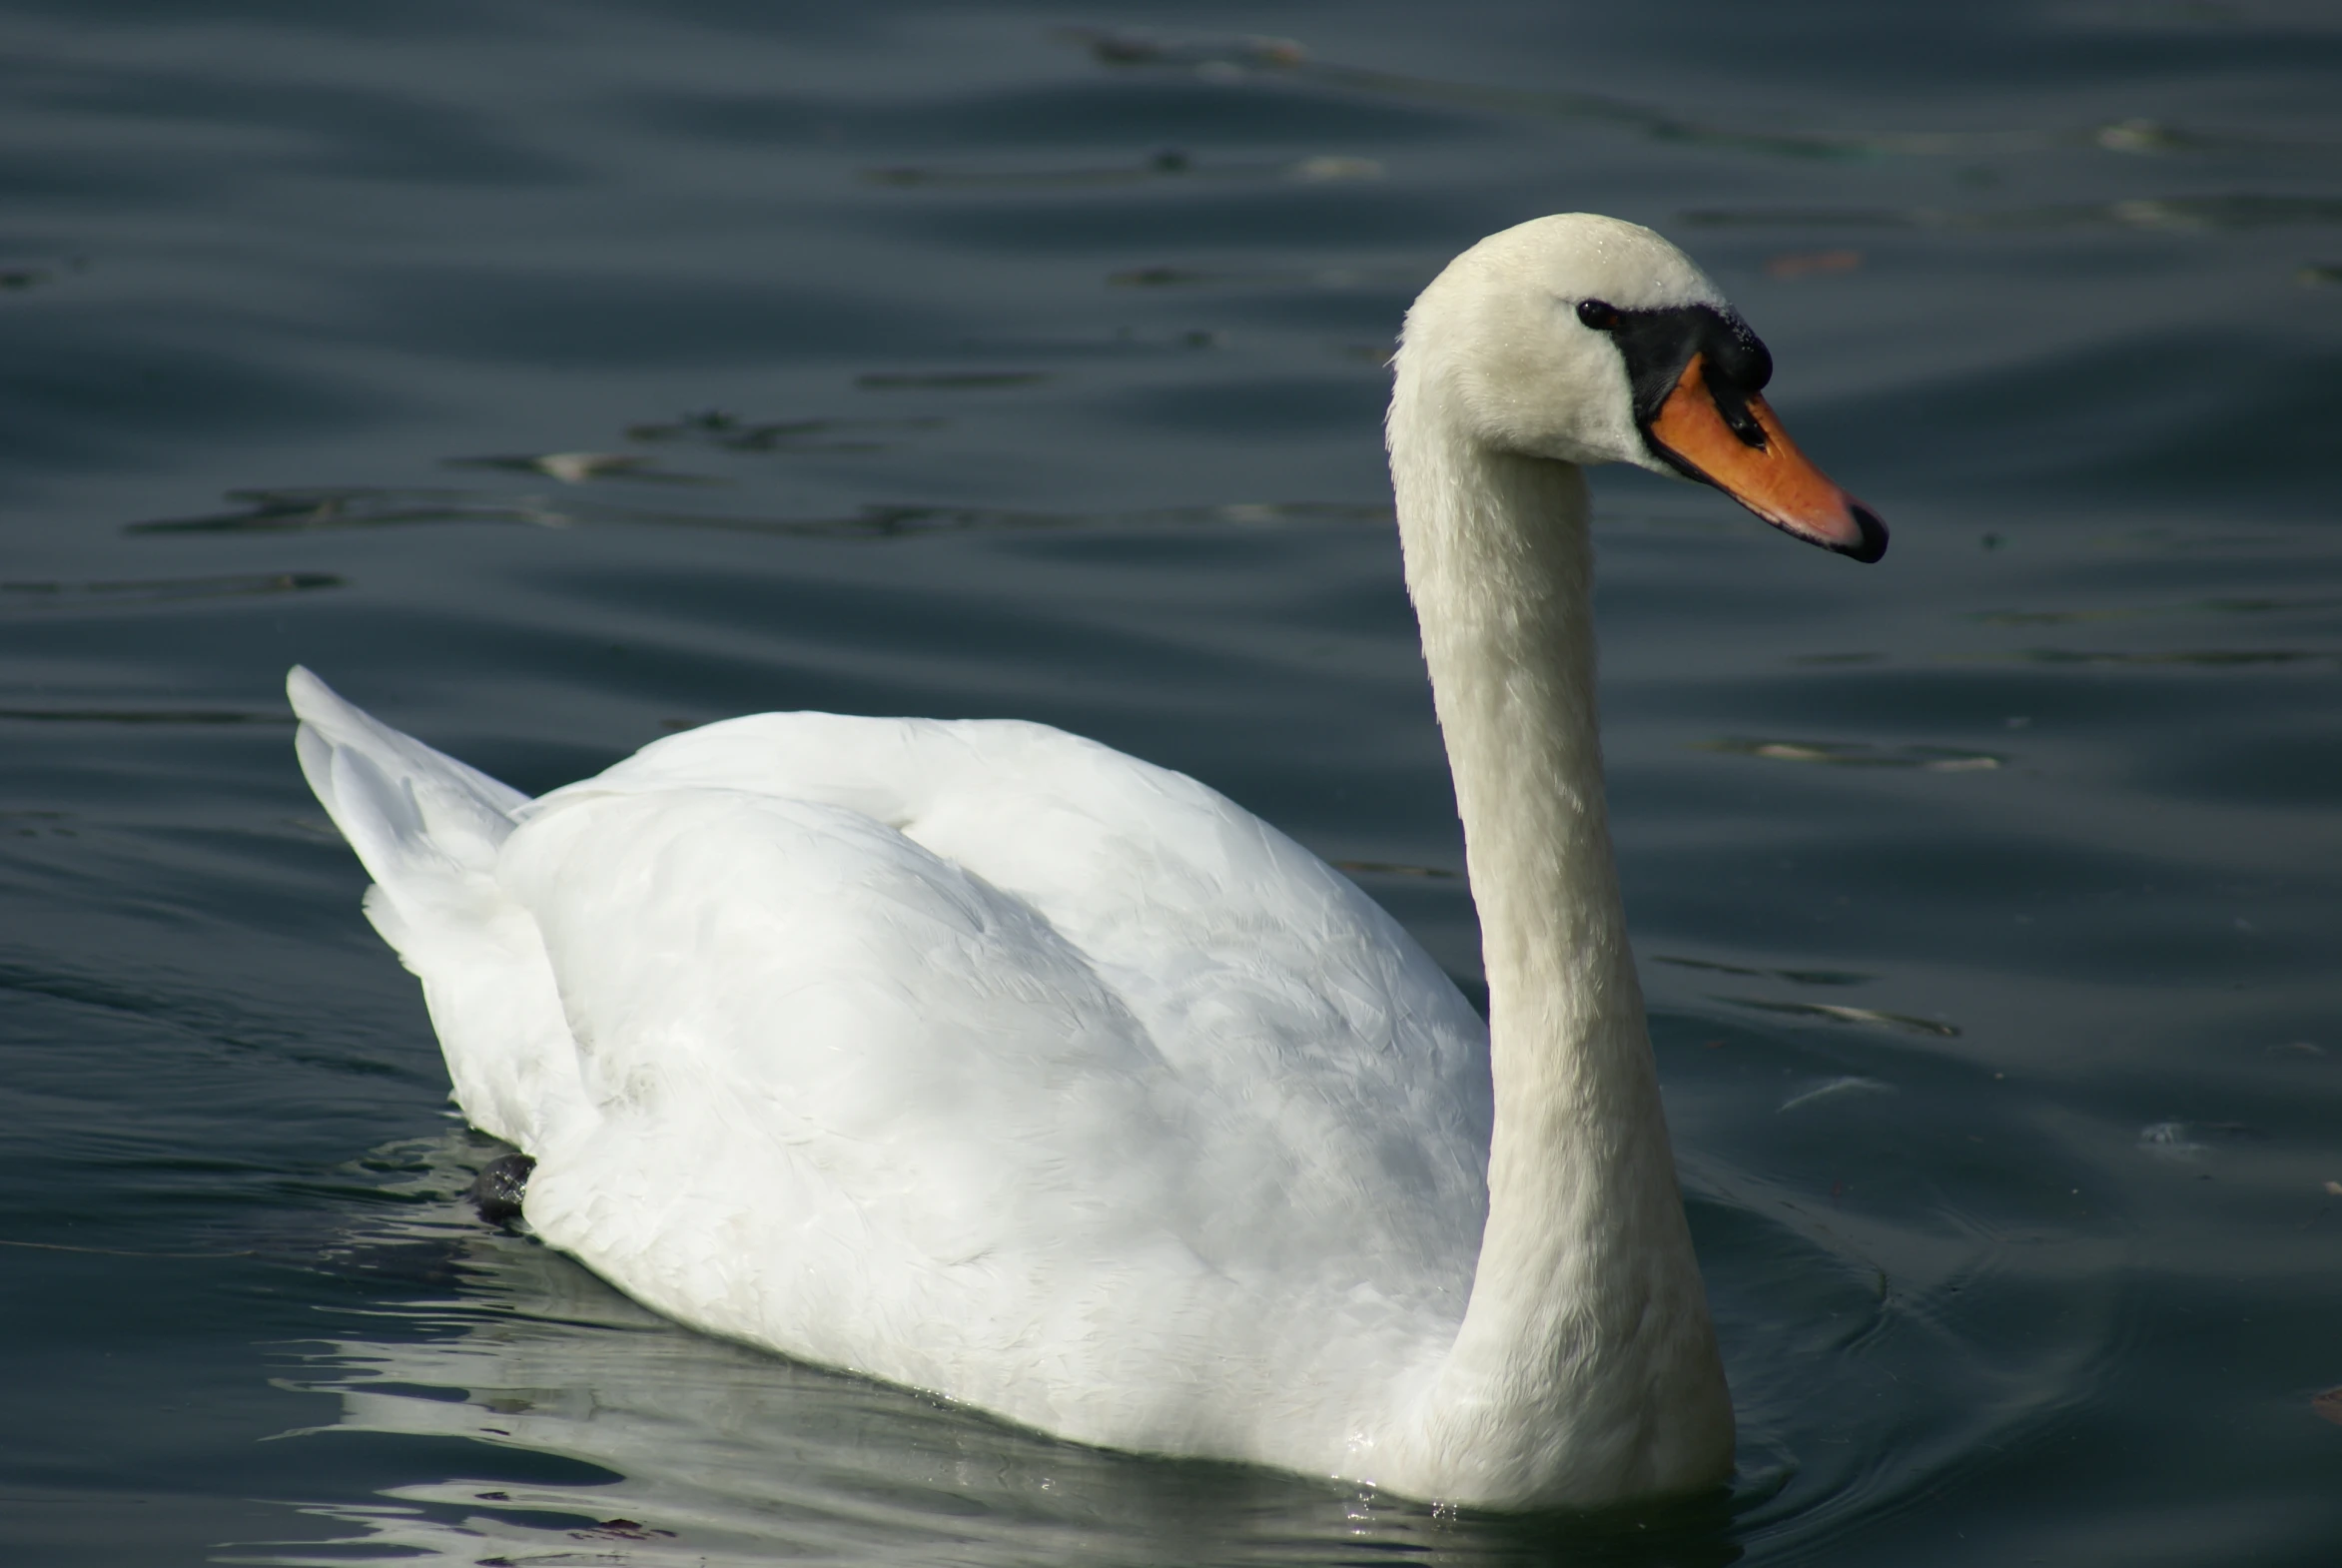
(425, 827)
(428, 831)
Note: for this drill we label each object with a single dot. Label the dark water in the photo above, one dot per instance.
(945, 361)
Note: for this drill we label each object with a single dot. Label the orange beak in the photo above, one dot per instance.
(1751, 459)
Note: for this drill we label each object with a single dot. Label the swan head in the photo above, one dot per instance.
(1584, 340)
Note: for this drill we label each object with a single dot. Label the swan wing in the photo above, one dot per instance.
(971, 1055)
(1292, 1006)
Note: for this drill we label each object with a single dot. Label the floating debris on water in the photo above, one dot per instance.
(1835, 1086)
(579, 468)
(1847, 754)
(1214, 58)
(1246, 58)
(1802, 977)
(714, 428)
(2328, 1405)
(290, 511)
(2169, 1140)
(1170, 163)
(2139, 135)
(1239, 59)
(1136, 48)
(159, 591)
(621, 1530)
(1846, 1015)
(2319, 274)
(1392, 868)
(356, 506)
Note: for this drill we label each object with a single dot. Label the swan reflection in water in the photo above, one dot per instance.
(608, 1434)
(549, 1420)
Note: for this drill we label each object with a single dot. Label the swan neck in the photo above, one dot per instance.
(1585, 1351)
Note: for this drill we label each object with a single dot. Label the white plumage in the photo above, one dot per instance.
(982, 1058)
(975, 1056)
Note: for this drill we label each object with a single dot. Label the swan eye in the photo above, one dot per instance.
(1597, 314)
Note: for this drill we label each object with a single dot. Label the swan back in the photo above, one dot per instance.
(968, 1055)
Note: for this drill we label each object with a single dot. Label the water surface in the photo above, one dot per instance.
(553, 378)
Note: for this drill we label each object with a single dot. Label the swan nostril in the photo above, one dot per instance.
(1742, 421)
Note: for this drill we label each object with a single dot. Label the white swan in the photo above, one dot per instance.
(982, 1058)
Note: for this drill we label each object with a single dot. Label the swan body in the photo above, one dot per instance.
(985, 1060)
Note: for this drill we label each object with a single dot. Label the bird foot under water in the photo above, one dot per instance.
(501, 1184)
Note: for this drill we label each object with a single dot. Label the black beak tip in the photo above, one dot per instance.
(1874, 541)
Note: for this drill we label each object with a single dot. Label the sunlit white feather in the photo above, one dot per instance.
(974, 1056)
(985, 1060)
